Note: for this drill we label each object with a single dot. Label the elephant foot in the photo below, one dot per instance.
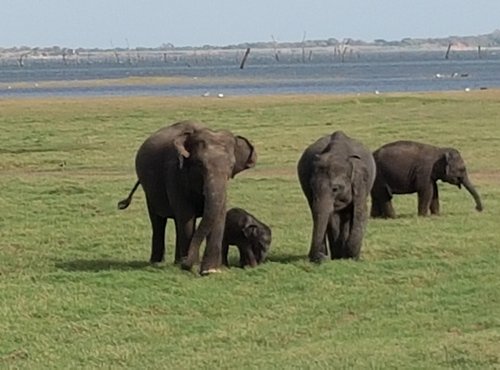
(156, 264)
(155, 260)
(210, 272)
(185, 265)
(317, 258)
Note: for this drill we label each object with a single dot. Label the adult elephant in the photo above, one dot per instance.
(405, 167)
(184, 170)
(336, 174)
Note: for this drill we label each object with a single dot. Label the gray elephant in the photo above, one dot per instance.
(251, 236)
(405, 167)
(336, 174)
(184, 170)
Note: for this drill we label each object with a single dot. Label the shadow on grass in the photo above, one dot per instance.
(101, 265)
(108, 264)
(287, 258)
(398, 216)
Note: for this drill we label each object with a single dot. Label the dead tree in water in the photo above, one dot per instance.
(304, 47)
(275, 47)
(446, 56)
(242, 65)
(343, 49)
(22, 57)
(65, 62)
(115, 52)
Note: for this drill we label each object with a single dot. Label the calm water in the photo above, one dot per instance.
(383, 75)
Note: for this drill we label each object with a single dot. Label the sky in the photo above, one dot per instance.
(151, 23)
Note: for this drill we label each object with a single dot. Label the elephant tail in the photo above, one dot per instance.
(124, 203)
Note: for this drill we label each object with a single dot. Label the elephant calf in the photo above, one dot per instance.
(336, 174)
(405, 167)
(251, 236)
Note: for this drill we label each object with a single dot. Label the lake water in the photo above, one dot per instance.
(388, 74)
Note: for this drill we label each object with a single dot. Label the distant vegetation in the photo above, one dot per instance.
(330, 49)
(486, 40)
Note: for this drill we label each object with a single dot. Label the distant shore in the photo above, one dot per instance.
(304, 51)
(24, 58)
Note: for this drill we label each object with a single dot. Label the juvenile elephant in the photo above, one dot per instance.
(184, 170)
(405, 167)
(336, 174)
(251, 236)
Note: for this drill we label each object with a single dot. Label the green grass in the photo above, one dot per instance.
(76, 290)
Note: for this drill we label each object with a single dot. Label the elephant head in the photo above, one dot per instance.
(450, 168)
(337, 182)
(260, 238)
(220, 155)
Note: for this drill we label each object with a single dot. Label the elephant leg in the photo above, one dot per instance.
(158, 224)
(435, 200)
(333, 233)
(225, 252)
(184, 228)
(425, 195)
(212, 257)
(388, 210)
(354, 238)
(381, 195)
(243, 255)
(378, 200)
(344, 233)
(375, 210)
(249, 257)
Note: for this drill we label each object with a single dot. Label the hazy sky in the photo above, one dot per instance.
(150, 23)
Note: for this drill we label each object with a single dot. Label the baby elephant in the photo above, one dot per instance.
(252, 237)
(405, 167)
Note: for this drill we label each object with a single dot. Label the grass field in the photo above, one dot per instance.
(76, 290)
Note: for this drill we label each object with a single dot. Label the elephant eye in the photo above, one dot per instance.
(336, 188)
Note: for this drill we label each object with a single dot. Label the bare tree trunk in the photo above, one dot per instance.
(275, 47)
(243, 61)
(446, 56)
(343, 54)
(20, 60)
(304, 48)
(115, 52)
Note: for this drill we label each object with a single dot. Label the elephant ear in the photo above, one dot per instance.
(245, 155)
(353, 159)
(180, 143)
(250, 231)
(441, 167)
(249, 228)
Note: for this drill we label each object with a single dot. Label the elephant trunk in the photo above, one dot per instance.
(213, 217)
(472, 190)
(321, 214)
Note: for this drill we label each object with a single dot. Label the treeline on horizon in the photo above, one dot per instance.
(486, 40)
